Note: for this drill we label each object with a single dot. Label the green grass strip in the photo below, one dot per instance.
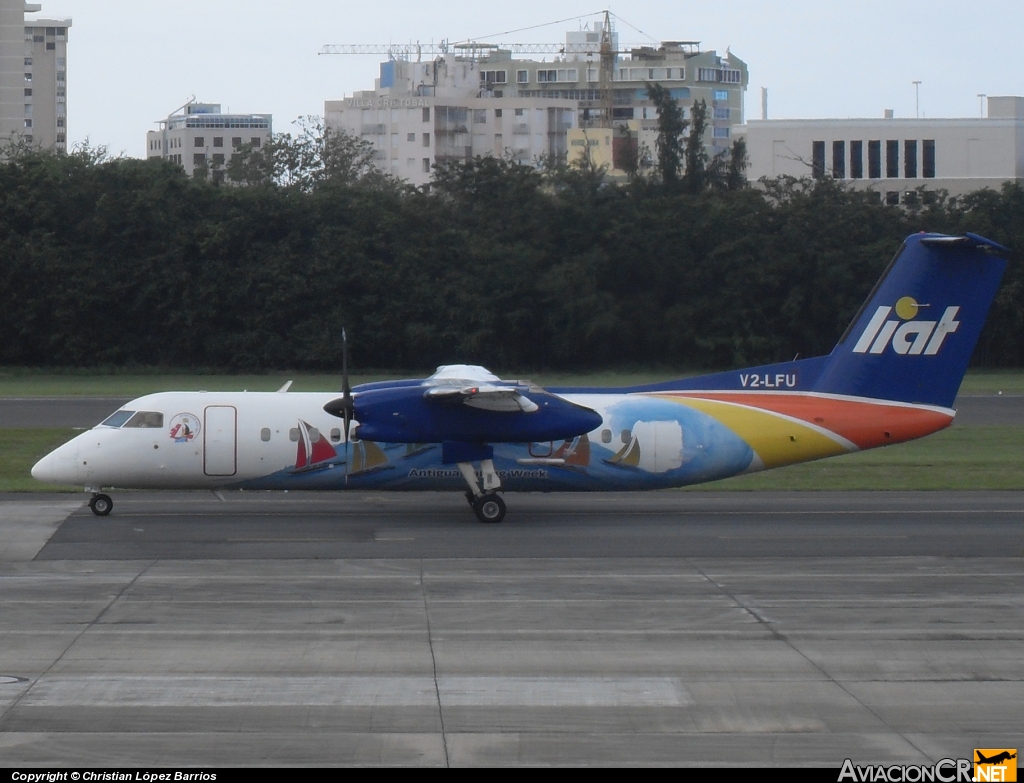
(993, 382)
(25, 383)
(21, 449)
(956, 458)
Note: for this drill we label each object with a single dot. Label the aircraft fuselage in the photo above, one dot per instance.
(255, 440)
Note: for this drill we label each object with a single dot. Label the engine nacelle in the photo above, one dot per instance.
(405, 415)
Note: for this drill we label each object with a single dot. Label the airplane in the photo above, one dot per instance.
(996, 759)
(892, 377)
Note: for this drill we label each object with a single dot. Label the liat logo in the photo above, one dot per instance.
(905, 334)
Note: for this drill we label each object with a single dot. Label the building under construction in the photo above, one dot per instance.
(433, 104)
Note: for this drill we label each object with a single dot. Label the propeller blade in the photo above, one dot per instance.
(346, 400)
(348, 455)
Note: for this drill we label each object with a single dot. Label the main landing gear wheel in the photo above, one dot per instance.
(489, 508)
(101, 505)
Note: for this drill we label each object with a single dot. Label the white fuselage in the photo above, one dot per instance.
(241, 435)
(234, 438)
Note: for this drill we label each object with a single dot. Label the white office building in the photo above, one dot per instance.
(199, 136)
(895, 156)
(33, 76)
(411, 129)
(480, 100)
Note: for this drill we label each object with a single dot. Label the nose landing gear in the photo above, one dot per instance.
(489, 508)
(100, 504)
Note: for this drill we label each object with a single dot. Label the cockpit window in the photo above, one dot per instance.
(142, 419)
(146, 420)
(117, 419)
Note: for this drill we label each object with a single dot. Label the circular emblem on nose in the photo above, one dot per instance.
(184, 427)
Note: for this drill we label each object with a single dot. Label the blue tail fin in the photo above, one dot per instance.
(913, 338)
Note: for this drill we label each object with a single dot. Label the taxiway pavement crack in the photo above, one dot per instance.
(769, 625)
(92, 623)
(433, 663)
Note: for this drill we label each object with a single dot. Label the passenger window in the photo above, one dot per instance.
(606, 436)
(336, 435)
(265, 434)
(293, 434)
(117, 419)
(627, 436)
(146, 420)
(541, 449)
(314, 434)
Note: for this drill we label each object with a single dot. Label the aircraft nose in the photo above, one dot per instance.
(44, 469)
(58, 467)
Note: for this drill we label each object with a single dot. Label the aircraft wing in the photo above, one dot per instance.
(487, 397)
(477, 387)
(464, 404)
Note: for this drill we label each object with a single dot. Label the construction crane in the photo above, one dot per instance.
(477, 49)
(468, 48)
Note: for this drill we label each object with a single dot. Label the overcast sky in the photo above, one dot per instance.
(131, 62)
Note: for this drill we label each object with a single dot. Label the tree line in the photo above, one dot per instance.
(123, 262)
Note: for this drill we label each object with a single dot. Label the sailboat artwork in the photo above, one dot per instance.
(367, 456)
(575, 452)
(313, 451)
(628, 455)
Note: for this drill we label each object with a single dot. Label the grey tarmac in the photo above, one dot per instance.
(668, 628)
(18, 413)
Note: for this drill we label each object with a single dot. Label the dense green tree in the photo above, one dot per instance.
(728, 168)
(696, 152)
(127, 262)
(314, 156)
(670, 143)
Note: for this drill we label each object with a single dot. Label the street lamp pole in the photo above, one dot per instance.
(981, 105)
(917, 98)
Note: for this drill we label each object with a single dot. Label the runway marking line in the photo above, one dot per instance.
(280, 541)
(815, 536)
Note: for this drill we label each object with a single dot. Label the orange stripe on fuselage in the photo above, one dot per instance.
(867, 424)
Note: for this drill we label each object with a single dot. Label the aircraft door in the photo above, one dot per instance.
(220, 440)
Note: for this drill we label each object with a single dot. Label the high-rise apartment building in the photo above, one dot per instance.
(12, 109)
(33, 76)
(199, 136)
(46, 82)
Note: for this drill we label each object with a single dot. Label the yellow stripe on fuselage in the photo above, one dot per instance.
(776, 440)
